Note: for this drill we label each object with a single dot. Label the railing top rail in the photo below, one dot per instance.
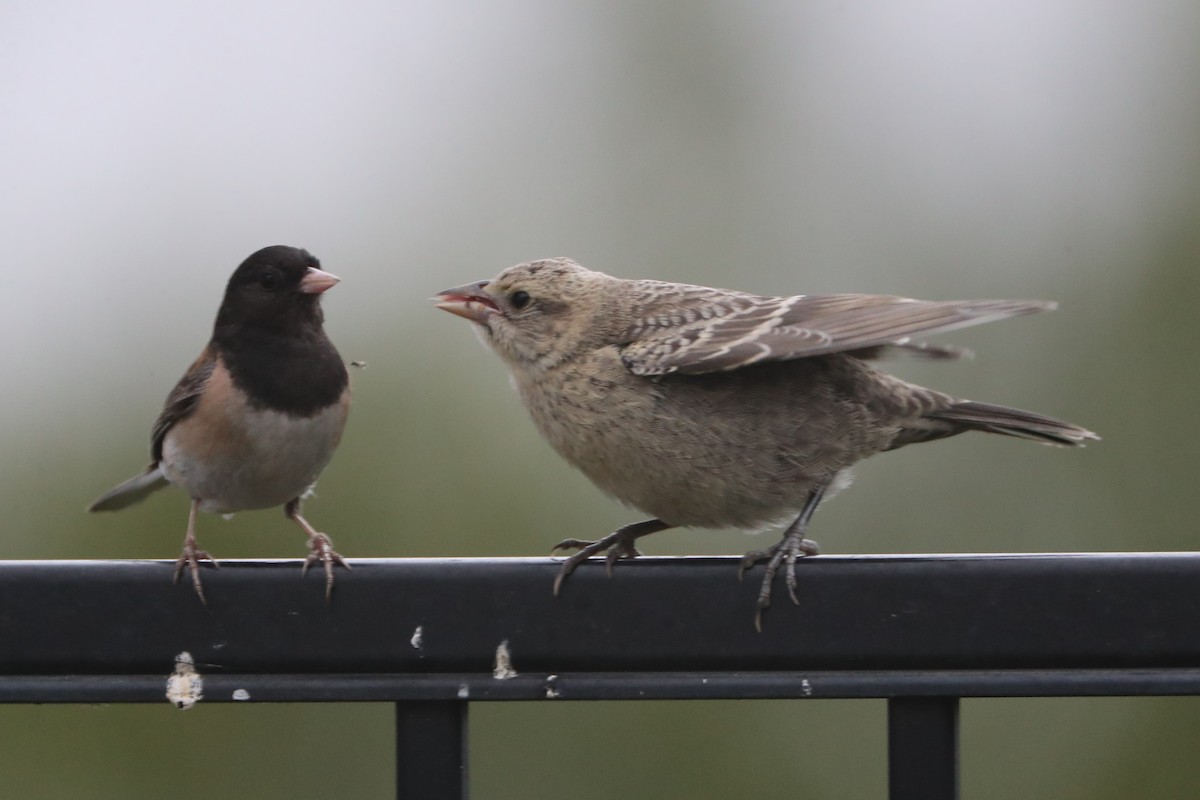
(876, 626)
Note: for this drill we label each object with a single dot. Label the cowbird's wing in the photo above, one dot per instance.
(693, 332)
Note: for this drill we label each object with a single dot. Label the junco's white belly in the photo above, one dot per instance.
(251, 459)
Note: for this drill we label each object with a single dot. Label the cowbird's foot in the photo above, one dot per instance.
(618, 547)
(790, 548)
(618, 544)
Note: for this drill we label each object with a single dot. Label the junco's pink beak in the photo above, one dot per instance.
(316, 281)
(469, 302)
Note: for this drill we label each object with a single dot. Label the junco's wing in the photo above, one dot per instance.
(724, 331)
(180, 403)
(182, 400)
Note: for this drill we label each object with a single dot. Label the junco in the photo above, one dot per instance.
(713, 408)
(257, 416)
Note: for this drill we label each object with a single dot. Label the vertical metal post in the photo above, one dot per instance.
(431, 750)
(923, 748)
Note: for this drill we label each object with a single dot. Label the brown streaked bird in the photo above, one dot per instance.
(258, 415)
(715, 408)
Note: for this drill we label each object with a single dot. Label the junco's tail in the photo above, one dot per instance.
(1012, 422)
(131, 491)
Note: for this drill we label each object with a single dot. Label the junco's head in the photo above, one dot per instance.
(275, 288)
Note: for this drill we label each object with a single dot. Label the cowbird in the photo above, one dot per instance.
(715, 408)
(257, 416)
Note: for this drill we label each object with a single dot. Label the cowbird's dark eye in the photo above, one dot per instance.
(268, 280)
(519, 299)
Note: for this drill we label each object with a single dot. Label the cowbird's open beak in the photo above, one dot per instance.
(469, 302)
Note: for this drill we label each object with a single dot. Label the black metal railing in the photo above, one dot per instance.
(426, 634)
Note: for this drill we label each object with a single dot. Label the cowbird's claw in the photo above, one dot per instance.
(574, 544)
(618, 545)
(790, 548)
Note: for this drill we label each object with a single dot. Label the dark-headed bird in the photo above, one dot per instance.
(257, 416)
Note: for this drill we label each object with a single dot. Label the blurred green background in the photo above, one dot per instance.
(940, 150)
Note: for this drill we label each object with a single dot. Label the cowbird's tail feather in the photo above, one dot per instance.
(1012, 422)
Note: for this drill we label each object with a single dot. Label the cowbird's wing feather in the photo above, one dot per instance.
(694, 332)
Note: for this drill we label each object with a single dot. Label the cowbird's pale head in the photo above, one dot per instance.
(539, 313)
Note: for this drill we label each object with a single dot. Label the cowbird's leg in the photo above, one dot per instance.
(619, 544)
(792, 546)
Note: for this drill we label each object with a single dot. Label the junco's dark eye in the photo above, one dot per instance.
(268, 280)
(519, 299)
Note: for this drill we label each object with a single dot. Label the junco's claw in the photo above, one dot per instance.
(191, 558)
(320, 550)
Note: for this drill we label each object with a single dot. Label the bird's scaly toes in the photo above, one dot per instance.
(617, 546)
(191, 558)
(787, 551)
(320, 550)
